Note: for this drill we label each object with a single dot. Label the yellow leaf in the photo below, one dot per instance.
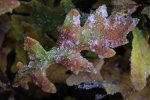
(140, 59)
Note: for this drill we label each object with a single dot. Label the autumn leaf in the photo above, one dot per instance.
(42, 81)
(140, 56)
(99, 34)
(37, 20)
(8, 5)
(85, 77)
(116, 80)
(34, 71)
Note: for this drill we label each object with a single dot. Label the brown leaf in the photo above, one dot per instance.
(115, 80)
(42, 81)
(8, 5)
(84, 77)
(99, 34)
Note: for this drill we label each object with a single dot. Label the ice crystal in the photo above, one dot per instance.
(102, 10)
(90, 85)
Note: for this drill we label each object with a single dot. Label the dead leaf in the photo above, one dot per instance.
(99, 34)
(8, 5)
(85, 77)
(42, 81)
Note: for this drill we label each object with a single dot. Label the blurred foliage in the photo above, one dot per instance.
(8, 5)
(50, 25)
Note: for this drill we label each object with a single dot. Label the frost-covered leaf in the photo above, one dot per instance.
(99, 34)
(146, 11)
(85, 77)
(8, 5)
(36, 69)
(37, 19)
(140, 64)
(42, 81)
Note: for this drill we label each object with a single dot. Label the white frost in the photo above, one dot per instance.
(90, 85)
(91, 20)
(102, 10)
(76, 20)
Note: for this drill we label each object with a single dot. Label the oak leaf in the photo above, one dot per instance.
(99, 34)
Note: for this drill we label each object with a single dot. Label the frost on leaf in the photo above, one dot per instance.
(90, 85)
(140, 64)
(85, 77)
(100, 34)
(36, 69)
(8, 5)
